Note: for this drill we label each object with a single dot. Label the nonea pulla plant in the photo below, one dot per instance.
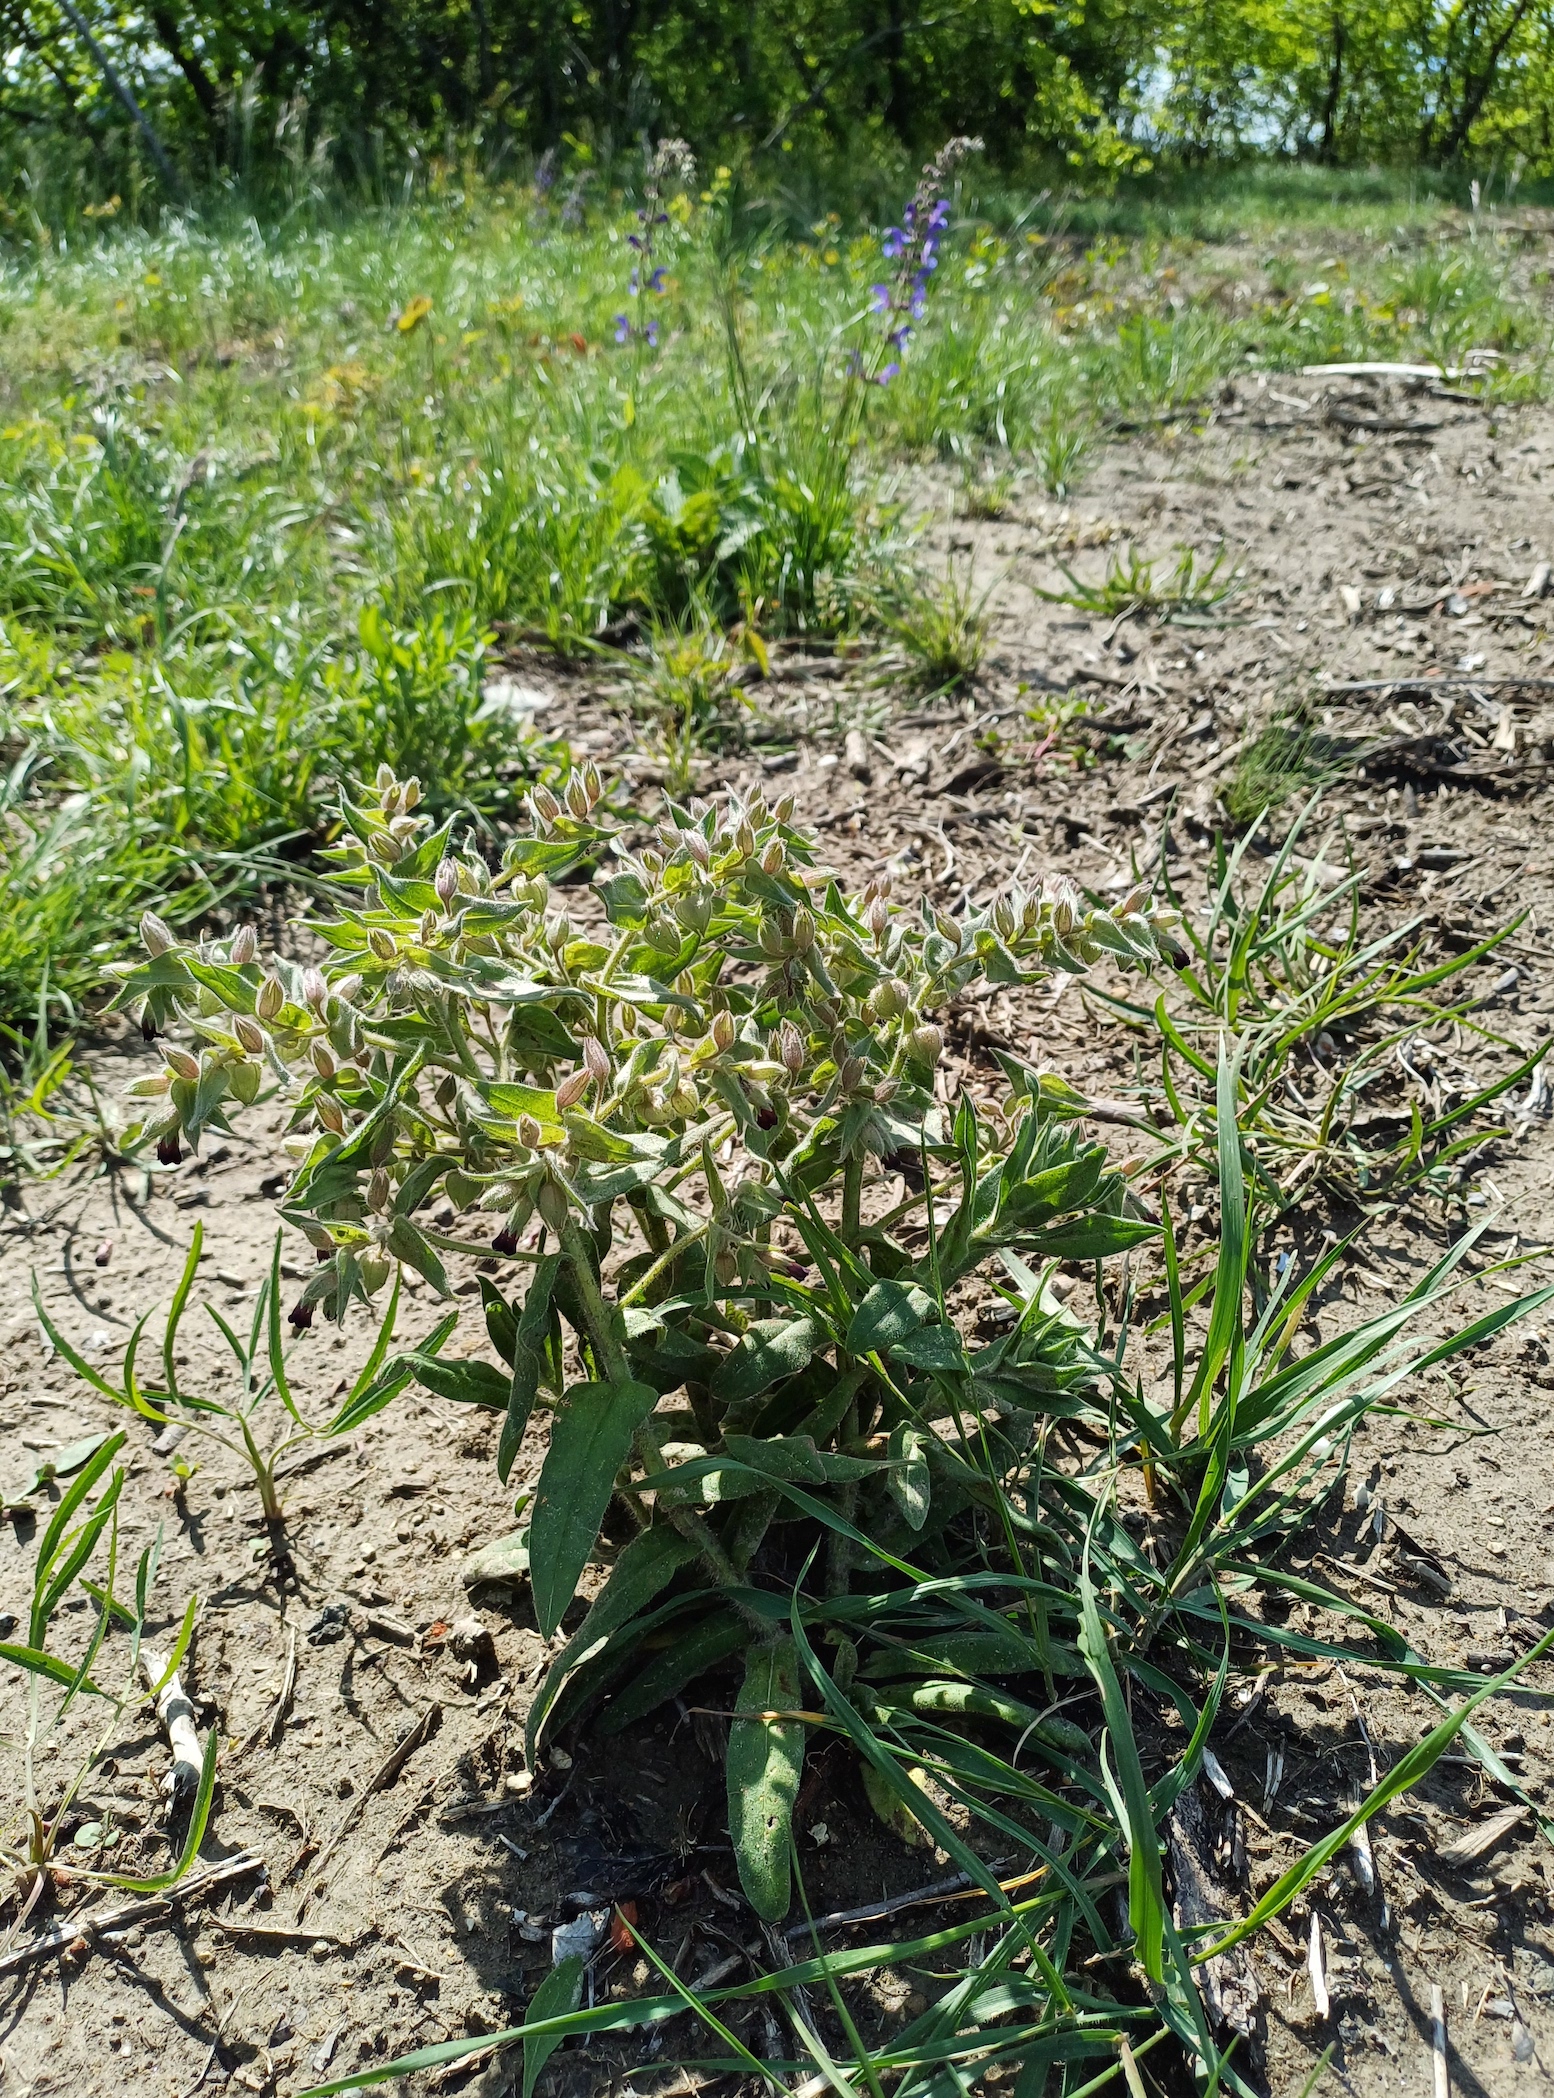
(695, 1108)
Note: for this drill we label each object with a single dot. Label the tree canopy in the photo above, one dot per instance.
(246, 87)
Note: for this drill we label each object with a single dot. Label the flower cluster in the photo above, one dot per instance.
(463, 1035)
(673, 166)
(913, 247)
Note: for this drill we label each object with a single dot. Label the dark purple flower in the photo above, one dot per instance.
(766, 1118)
(323, 1253)
(301, 1315)
(505, 1243)
(634, 240)
(169, 1152)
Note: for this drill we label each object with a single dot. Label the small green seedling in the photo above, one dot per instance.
(233, 1423)
(85, 1522)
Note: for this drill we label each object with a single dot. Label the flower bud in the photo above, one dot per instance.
(374, 1273)
(447, 1091)
(381, 944)
(446, 882)
(156, 934)
(773, 940)
(571, 1090)
(790, 1048)
(725, 1267)
(886, 1091)
(314, 989)
(850, 1077)
(1005, 919)
(697, 846)
(783, 813)
(323, 1062)
(330, 1113)
(384, 846)
(383, 779)
(379, 1189)
(886, 1000)
(723, 1032)
(774, 857)
(270, 999)
(925, 1044)
(551, 1203)
(245, 946)
(744, 840)
(249, 1033)
(411, 792)
(529, 1132)
(180, 1062)
(545, 806)
(576, 796)
(596, 1059)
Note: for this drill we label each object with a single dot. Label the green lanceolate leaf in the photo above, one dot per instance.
(528, 1362)
(889, 1313)
(557, 1996)
(645, 1566)
(590, 1440)
(773, 1348)
(908, 1481)
(466, 1381)
(765, 1763)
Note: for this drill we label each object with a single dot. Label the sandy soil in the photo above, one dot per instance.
(393, 1917)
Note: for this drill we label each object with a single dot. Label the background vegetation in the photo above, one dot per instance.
(803, 102)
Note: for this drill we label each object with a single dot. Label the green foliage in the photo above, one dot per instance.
(234, 1423)
(463, 1038)
(82, 1532)
(1330, 1025)
(1133, 584)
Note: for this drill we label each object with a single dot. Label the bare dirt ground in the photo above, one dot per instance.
(1383, 534)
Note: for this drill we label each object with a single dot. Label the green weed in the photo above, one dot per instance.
(1133, 584)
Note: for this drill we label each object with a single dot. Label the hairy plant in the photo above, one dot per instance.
(673, 1119)
(788, 1315)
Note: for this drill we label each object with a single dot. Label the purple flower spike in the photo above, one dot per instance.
(893, 243)
(650, 334)
(887, 373)
(634, 240)
(622, 328)
(879, 298)
(656, 281)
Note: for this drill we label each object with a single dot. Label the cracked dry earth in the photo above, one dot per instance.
(1382, 534)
